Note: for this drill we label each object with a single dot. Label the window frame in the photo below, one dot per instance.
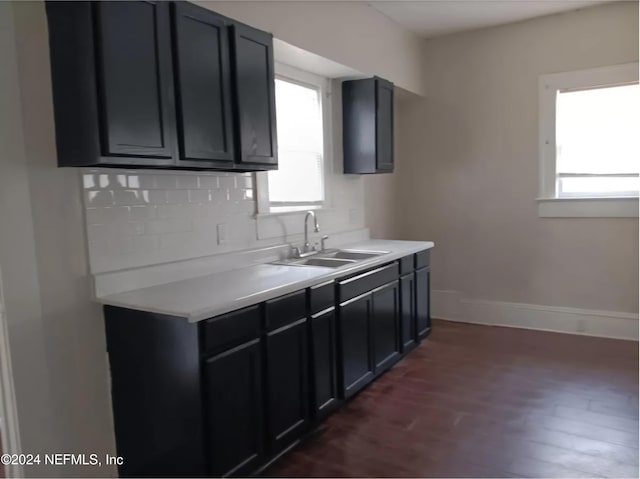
(594, 205)
(323, 85)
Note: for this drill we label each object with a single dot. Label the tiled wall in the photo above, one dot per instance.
(140, 218)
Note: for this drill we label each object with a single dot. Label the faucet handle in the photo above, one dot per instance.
(322, 241)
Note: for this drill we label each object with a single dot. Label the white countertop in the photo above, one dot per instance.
(208, 296)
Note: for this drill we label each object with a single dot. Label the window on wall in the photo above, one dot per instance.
(299, 181)
(590, 146)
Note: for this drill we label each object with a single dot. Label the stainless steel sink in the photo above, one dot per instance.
(352, 254)
(332, 258)
(325, 262)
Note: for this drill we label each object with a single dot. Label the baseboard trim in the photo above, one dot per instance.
(454, 306)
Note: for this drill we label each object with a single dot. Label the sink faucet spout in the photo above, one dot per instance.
(316, 228)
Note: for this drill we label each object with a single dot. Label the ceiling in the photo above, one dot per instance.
(429, 18)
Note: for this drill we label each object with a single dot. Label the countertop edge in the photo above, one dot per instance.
(266, 295)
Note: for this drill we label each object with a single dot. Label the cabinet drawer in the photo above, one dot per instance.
(229, 330)
(423, 259)
(362, 283)
(321, 297)
(285, 310)
(406, 264)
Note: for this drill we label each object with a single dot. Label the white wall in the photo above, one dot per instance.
(347, 32)
(56, 333)
(469, 167)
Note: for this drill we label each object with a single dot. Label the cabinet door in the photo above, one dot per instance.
(355, 345)
(203, 84)
(252, 59)
(135, 79)
(386, 327)
(384, 125)
(233, 399)
(423, 292)
(287, 384)
(323, 343)
(408, 311)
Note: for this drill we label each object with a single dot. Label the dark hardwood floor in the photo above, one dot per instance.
(481, 401)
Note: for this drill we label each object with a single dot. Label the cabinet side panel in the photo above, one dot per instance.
(73, 80)
(155, 388)
(359, 126)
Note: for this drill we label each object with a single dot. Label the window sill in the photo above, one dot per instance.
(616, 207)
(291, 210)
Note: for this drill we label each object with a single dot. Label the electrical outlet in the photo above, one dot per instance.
(581, 327)
(222, 233)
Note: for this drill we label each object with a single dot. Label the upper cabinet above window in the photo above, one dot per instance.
(160, 84)
(367, 124)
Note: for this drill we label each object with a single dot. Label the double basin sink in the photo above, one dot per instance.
(332, 258)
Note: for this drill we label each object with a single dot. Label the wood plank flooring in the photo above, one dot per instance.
(481, 401)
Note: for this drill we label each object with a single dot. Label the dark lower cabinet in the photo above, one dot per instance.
(287, 384)
(226, 395)
(355, 344)
(385, 326)
(233, 401)
(408, 312)
(324, 362)
(423, 312)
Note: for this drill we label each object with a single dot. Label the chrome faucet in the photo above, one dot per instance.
(307, 247)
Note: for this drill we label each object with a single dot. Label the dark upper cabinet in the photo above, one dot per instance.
(133, 50)
(367, 124)
(112, 83)
(408, 312)
(160, 84)
(324, 362)
(203, 86)
(385, 326)
(287, 384)
(233, 401)
(252, 61)
(355, 345)
(423, 313)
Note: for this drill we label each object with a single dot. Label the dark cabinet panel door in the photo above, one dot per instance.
(287, 384)
(384, 125)
(325, 386)
(203, 84)
(252, 60)
(355, 345)
(386, 327)
(422, 301)
(135, 79)
(408, 311)
(233, 401)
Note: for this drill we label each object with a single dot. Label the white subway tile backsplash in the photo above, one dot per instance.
(199, 196)
(157, 197)
(165, 181)
(210, 182)
(138, 218)
(177, 196)
(128, 197)
(187, 181)
(99, 198)
(228, 182)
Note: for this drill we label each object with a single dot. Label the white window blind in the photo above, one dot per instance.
(299, 178)
(597, 142)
